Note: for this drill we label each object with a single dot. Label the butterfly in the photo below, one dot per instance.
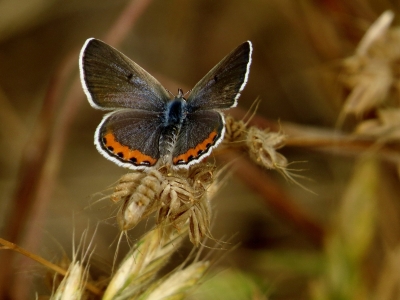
(146, 127)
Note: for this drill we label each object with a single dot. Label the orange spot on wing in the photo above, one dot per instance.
(194, 152)
(125, 153)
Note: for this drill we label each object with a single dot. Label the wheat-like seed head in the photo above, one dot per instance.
(142, 263)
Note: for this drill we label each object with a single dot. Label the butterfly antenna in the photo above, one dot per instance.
(170, 93)
(187, 93)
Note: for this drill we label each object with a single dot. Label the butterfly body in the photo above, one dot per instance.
(146, 128)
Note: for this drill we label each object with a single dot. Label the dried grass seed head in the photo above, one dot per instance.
(371, 74)
(141, 201)
(199, 222)
(369, 87)
(126, 186)
(180, 196)
(142, 263)
(262, 146)
(72, 285)
(235, 131)
(179, 283)
(185, 200)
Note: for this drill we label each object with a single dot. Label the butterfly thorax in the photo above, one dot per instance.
(176, 112)
(174, 116)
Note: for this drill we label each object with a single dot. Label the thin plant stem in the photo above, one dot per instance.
(46, 263)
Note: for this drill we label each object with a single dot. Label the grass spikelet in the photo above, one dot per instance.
(369, 74)
(75, 281)
(262, 146)
(142, 263)
(235, 131)
(72, 287)
(185, 199)
(179, 197)
(126, 186)
(142, 197)
(178, 284)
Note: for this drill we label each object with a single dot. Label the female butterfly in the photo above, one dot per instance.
(145, 127)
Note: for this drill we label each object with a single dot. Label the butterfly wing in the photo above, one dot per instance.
(111, 80)
(130, 138)
(221, 86)
(201, 131)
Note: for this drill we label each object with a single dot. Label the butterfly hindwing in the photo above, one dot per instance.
(221, 86)
(130, 138)
(200, 133)
(111, 80)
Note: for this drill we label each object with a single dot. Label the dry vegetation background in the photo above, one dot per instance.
(340, 242)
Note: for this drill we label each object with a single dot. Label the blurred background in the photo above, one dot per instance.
(339, 241)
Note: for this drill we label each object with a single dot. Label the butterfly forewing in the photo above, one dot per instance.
(221, 86)
(130, 138)
(111, 80)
